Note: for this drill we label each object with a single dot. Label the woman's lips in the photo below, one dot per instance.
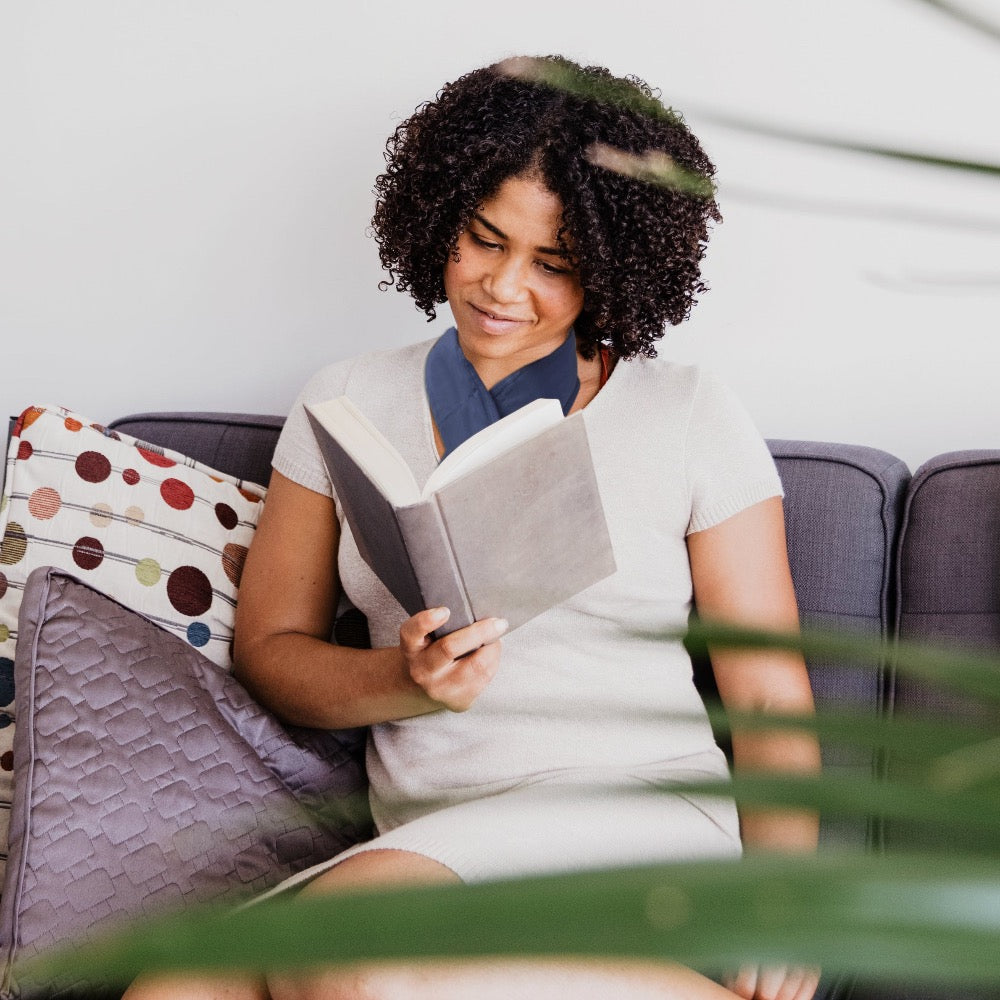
(495, 322)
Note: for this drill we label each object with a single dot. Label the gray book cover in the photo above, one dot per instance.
(509, 539)
(372, 520)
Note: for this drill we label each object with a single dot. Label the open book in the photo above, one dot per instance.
(508, 525)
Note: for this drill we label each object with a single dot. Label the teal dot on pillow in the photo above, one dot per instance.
(198, 633)
(6, 680)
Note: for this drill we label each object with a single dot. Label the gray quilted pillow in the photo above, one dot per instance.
(146, 777)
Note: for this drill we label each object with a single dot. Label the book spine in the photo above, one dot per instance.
(433, 561)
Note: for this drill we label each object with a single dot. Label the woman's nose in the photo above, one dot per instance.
(506, 280)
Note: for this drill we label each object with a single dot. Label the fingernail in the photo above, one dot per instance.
(501, 625)
(441, 614)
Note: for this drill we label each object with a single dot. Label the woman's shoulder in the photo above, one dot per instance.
(372, 371)
(672, 382)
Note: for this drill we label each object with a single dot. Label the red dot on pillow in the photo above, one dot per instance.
(155, 458)
(72, 424)
(130, 476)
(176, 494)
(24, 450)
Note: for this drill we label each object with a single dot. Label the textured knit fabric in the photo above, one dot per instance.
(587, 694)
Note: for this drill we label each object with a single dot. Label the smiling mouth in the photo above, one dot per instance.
(498, 316)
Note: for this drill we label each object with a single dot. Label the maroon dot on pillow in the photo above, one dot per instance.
(176, 494)
(189, 591)
(228, 517)
(130, 476)
(88, 553)
(92, 467)
(233, 558)
(24, 451)
(3, 585)
(7, 761)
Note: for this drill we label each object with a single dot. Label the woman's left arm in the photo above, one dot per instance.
(740, 573)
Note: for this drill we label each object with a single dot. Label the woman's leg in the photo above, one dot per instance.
(487, 979)
(362, 871)
(175, 987)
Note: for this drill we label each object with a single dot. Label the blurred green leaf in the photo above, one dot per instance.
(652, 167)
(853, 795)
(926, 918)
(966, 17)
(923, 740)
(973, 673)
(758, 127)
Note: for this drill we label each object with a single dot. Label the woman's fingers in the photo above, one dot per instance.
(414, 633)
(744, 983)
(454, 669)
(774, 982)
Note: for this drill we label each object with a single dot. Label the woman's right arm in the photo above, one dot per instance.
(287, 601)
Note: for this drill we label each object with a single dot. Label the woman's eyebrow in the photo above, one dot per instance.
(554, 251)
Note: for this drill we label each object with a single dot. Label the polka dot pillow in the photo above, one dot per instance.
(156, 531)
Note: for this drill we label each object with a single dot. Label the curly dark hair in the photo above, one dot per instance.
(638, 243)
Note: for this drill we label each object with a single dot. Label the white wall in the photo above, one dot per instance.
(186, 185)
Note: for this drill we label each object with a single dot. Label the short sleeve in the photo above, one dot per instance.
(297, 455)
(729, 467)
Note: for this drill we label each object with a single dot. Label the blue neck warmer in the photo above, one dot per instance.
(462, 405)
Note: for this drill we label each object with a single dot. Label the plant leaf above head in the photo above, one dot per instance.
(966, 17)
(560, 74)
(651, 167)
(807, 138)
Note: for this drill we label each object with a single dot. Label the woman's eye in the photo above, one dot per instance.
(551, 268)
(486, 244)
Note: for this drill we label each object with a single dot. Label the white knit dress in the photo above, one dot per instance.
(550, 769)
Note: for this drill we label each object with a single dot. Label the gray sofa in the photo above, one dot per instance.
(873, 549)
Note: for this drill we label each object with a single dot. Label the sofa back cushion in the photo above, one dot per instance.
(949, 557)
(948, 581)
(238, 444)
(842, 506)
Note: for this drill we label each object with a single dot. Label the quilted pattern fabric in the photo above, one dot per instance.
(146, 777)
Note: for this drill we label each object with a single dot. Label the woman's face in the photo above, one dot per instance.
(513, 292)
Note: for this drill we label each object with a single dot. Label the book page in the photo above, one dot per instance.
(521, 553)
(369, 448)
(507, 433)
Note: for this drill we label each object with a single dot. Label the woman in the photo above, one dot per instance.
(513, 197)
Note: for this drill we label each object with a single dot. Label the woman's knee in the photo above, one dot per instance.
(379, 869)
(376, 869)
(346, 983)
